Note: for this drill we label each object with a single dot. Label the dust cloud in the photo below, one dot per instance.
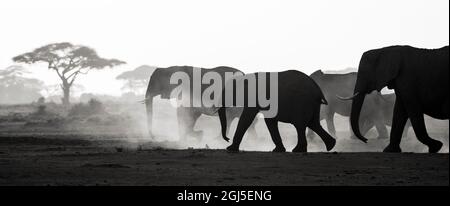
(123, 124)
(165, 128)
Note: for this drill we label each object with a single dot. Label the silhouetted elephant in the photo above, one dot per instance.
(376, 111)
(419, 78)
(387, 109)
(341, 85)
(159, 84)
(297, 98)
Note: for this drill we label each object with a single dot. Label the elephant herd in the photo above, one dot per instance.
(419, 78)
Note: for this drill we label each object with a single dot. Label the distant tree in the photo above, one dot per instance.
(136, 79)
(85, 97)
(15, 88)
(68, 61)
(41, 100)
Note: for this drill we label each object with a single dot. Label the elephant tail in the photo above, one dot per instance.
(322, 98)
(324, 101)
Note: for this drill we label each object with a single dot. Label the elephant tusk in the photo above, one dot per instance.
(143, 101)
(347, 98)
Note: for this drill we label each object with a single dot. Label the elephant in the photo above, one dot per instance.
(298, 100)
(387, 107)
(420, 80)
(335, 86)
(159, 84)
(376, 111)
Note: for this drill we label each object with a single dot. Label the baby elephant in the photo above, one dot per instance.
(288, 96)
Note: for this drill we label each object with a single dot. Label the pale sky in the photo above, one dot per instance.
(248, 35)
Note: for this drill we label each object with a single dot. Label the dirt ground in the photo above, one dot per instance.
(78, 159)
(99, 151)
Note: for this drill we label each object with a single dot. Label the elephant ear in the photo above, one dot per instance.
(387, 68)
(317, 73)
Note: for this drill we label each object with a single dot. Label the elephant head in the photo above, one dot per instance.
(159, 84)
(377, 69)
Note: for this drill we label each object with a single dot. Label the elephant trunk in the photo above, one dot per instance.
(223, 123)
(354, 116)
(149, 109)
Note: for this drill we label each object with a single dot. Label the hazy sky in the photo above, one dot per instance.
(249, 35)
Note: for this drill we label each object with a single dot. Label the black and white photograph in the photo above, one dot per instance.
(224, 94)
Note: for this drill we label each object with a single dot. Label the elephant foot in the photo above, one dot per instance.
(299, 148)
(435, 146)
(392, 149)
(279, 149)
(329, 144)
(233, 148)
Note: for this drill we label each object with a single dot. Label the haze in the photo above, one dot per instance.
(249, 35)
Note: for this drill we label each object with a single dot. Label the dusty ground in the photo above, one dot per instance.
(70, 159)
(100, 152)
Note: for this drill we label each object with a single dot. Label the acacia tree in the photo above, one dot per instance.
(136, 79)
(15, 88)
(68, 61)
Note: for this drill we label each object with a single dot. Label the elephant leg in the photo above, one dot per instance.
(272, 125)
(418, 124)
(323, 111)
(252, 129)
(229, 121)
(302, 144)
(149, 110)
(407, 127)
(186, 121)
(382, 130)
(330, 123)
(182, 118)
(352, 135)
(398, 123)
(231, 114)
(329, 141)
(246, 119)
(326, 138)
(192, 132)
(310, 134)
(366, 126)
(380, 125)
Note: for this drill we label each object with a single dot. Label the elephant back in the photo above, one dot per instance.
(300, 84)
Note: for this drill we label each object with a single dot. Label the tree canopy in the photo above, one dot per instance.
(68, 61)
(136, 79)
(140, 73)
(17, 89)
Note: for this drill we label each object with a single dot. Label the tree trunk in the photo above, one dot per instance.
(66, 92)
